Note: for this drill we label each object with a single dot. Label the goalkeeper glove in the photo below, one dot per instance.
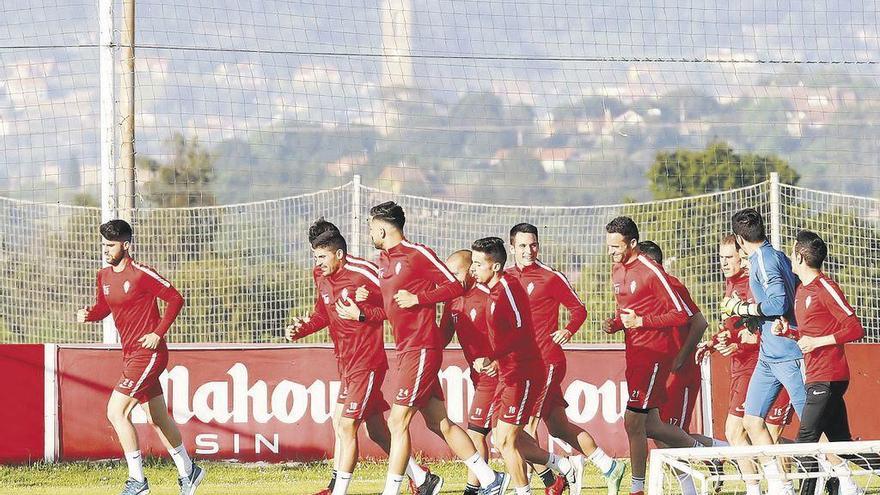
(734, 306)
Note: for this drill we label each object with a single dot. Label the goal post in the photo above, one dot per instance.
(861, 463)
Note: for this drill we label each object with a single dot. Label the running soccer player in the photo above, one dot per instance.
(649, 311)
(736, 341)
(356, 331)
(377, 428)
(826, 321)
(547, 290)
(512, 341)
(413, 280)
(683, 383)
(465, 316)
(128, 290)
(772, 284)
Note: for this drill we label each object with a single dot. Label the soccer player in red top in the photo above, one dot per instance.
(368, 315)
(128, 290)
(465, 316)
(413, 280)
(825, 322)
(512, 346)
(356, 331)
(547, 290)
(650, 311)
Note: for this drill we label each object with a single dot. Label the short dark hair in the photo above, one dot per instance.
(651, 250)
(319, 227)
(390, 212)
(624, 226)
(523, 228)
(812, 248)
(330, 240)
(729, 239)
(749, 224)
(116, 231)
(493, 248)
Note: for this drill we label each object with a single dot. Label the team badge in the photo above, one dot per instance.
(397, 268)
(808, 301)
(530, 288)
(326, 298)
(125, 286)
(473, 314)
(345, 293)
(632, 287)
(106, 289)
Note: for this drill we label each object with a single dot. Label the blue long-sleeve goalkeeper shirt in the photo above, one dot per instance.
(773, 285)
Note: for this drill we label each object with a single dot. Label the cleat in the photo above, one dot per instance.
(432, 485)
(615, 477)
(557, 488)
(497, 487)
(413, 488)
(189, 484)
(135, 487)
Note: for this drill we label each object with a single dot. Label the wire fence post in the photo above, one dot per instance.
(356, 215)
(109, 203)
(775, 227)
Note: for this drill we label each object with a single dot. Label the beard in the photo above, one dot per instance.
(114, 261)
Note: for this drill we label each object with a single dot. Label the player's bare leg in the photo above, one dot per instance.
(736, 434)
(119, 409)
(636, 432)
(506, 436)
(482, 446)
(190, 475)
(548, 478)
(460, 443)
(377, 430)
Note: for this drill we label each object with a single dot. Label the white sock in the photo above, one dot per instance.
(602, 461)
(415, 472)
(135, 465)
(523, 490)
(773, 485)
(340, 487)
(753, 489)
(559, 464)
(481, 470)
(392, 484)
(719, 443)
(687, 484)
(638, 485)
(181, 460)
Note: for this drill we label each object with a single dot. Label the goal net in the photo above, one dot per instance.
(842, 467)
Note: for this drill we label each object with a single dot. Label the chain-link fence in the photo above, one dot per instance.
(246, 269)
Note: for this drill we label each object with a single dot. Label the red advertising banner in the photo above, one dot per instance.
(275, 404)
(22, 396)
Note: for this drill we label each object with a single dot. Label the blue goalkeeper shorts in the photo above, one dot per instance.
(766, 382)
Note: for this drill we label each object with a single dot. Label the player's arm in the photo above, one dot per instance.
(447, 287)
(565, 294)
(849, 326)
(777, 302)
(367, 302)
(161, 288)
(303, 327)
(697, 326)
(504, 324)
(99, 310)
(672, 313)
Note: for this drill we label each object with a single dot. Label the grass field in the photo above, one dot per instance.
(106, 478)
(99, 478)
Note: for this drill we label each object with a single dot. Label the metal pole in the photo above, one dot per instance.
(356, 215)
(775, 225)
(127, 194)
(107, 71)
